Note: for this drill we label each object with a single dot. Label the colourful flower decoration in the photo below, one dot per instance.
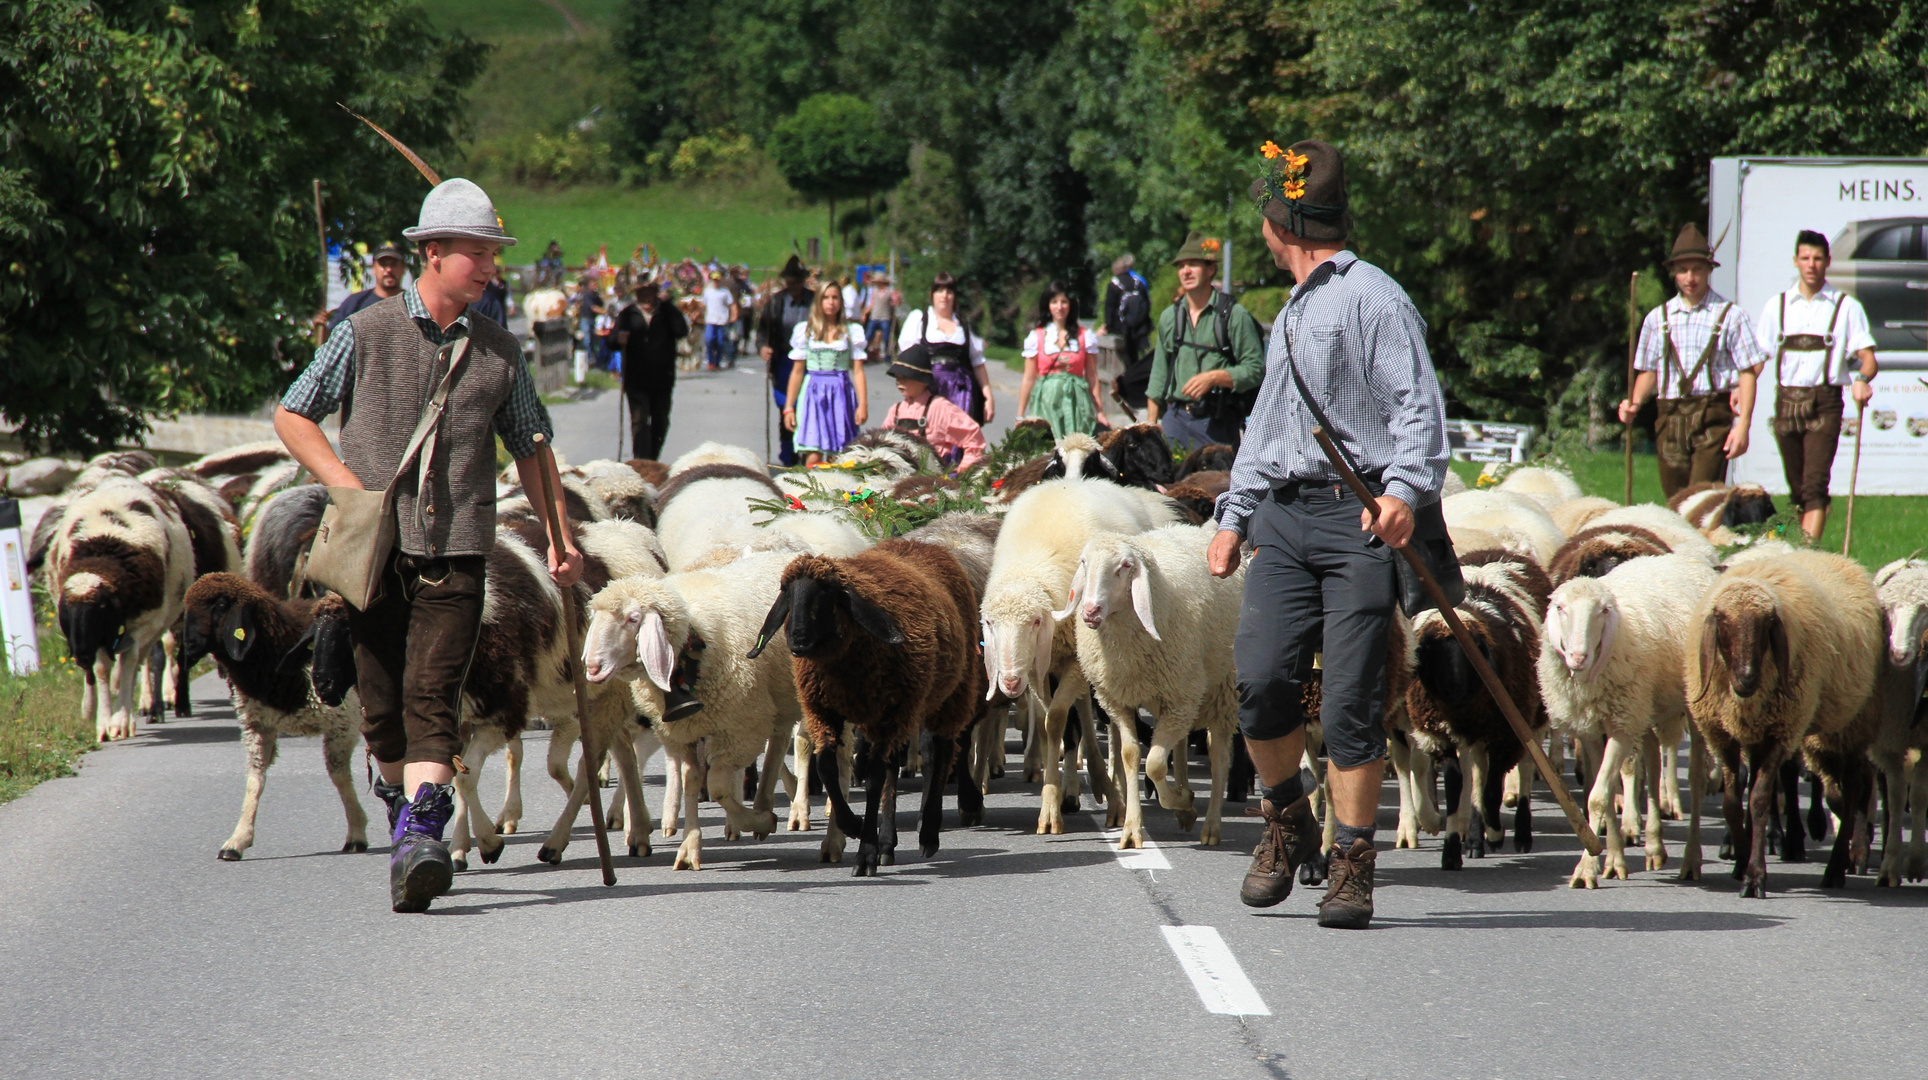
(1283, 174)
(1294, 189)
(1270, 150)
(1209, 245)
(795, 503)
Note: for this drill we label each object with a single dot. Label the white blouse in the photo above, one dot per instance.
(914, 331)
(1049, 335)
(800, 341)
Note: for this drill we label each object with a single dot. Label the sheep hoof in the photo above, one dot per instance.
(1449, 853)
(550, 855)
(490, 855)
(636, 851)
(967, 819)
(1586, 873)
(459, 863)
(1185, 819)
(831, 851)
(799, 824)
(507, 826)
(927, 848)
(1656, 859)
(1753, 890)
(1132, 838)
(1313, 871)
(1478, 844)
(1689, 871)
(228, 854)
(668, 830)
(1069, 804)
(889, 858)
(1209, 836)
(352, 847)
(730, 833)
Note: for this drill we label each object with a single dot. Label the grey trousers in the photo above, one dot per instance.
(1187, 432)
(1316, 583)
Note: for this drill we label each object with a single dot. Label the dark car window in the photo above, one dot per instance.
(1892, 243)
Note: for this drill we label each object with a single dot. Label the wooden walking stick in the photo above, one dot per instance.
(1633, 334)
(591, 753)
(1561, 795)
(1854, 475)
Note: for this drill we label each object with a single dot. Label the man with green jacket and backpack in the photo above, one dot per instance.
(1210, 358)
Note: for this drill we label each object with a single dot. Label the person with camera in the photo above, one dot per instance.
(1210, 357)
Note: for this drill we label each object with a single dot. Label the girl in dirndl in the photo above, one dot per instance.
(826, 392)
(1060, 369)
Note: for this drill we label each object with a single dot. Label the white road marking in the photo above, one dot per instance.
(1214, 971)
(1145, 858)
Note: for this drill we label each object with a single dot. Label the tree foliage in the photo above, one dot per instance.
(156, 199)
(832, 148)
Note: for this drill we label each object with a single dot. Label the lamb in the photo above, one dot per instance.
(1718, 509)
(882, 643)
(1783, 653)
(1519, 523)
(120, 563)
(1140, 455)
(1037, 551)
(1901, 736)
(1548, 487)
(1451, 709)
(705, 505)
(1611, 663)
(1576, 514)
(694, 629)
(1596, 550)
(262, 642)
(625, 494)
(1172, 656)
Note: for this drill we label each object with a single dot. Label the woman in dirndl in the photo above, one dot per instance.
(955, 354)
(1060, 369)
(827, 389)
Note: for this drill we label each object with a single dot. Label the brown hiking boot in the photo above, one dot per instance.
(1291, 837)
(1348, 899)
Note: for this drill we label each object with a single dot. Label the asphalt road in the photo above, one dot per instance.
(128, 950)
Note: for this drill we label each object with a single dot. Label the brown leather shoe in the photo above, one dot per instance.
(1291, 837)
(1348, 899)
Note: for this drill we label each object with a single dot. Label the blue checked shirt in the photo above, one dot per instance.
(1360, 346)
(329, 380)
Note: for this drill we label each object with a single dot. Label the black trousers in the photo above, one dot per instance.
(648, 420)
(1316, 583)
(412, 652)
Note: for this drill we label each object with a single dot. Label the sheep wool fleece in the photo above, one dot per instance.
(1315, 583)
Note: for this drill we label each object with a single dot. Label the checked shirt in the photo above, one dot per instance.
(1690, 327)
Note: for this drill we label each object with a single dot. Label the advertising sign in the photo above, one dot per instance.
(1874, 212)
(17, 633)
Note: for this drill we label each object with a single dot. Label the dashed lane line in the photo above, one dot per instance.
(1214, 971)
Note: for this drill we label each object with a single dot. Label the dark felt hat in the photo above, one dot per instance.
(1198, 248)
(1691, 244)
(910, 364)
(1303, 190)
(793, 270)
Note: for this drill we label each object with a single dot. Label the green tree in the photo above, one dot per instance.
(157, 233)
(833, 148)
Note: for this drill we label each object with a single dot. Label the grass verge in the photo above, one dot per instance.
(41, 733)
(753, 223)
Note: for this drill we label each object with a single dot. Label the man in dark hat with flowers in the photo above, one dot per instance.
(1699, 350)
(1348, 351)
(781, 314)
(1209, 359)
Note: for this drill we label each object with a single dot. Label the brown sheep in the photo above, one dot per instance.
(1594, 552)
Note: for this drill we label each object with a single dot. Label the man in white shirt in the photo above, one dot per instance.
(719, 314)
(1820, 341)
(1699, 353)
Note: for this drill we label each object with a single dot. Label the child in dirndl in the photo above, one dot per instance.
(826, 390)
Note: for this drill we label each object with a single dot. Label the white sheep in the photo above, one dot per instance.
(716, 453)
(1519, 523)
(1611, 664)
(1548, 487)
(1901, 738)
(1675, 531)
(1576, 514)
(1154, 631)
(1038, 548)
(708, 505)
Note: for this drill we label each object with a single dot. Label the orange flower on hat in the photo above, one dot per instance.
(1270, 150)
(1209, 245)
(1295, 161)
(1295, 189)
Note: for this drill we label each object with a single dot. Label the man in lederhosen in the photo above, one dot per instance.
(1321, 577)
(414, 643)
(1820, 341)
(1699, 350)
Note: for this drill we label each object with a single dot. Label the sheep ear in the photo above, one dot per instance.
(1609, 629)
(294, 658)
(987, 651)
(238, 632)
(1709, 654)
(1553, 629)
(1054, 469)
(875, 620)
(1141, 599)
(1777, 639)
(1071, 596)
(652, 648)
(772, 622)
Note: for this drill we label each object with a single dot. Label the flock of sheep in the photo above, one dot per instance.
(1069, 601)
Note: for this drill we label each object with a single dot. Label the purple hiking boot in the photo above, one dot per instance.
(392, 797)
(419, 868)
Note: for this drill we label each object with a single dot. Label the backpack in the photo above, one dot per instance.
(1134, 310)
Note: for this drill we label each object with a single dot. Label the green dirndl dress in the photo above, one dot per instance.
(1062, 397)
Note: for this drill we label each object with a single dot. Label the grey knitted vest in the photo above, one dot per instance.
(395, 372)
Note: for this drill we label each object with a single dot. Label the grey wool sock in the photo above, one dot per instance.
(1287, 793)
(1344, 835)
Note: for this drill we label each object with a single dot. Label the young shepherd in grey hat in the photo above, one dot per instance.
(414, 643)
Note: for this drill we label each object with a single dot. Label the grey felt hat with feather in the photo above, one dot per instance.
(457, 207)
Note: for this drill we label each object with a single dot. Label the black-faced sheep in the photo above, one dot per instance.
(1212, 457)
(1783, 654)
(1141, 456)
(1718, 509)
(1453, 713)
(262, 643)
(881, 645)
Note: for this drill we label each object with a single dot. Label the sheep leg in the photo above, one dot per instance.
(1651, 764)
(180, 675)
(90, 693)
(1817, 817)
(1424, 770)
(1629, 795)
(1587, 872)
(337, 750)
(1523, 810)
(583, 790)
(725, 784)
(1510, 790)
(1478, 765)
(1793, 834)
(1401, 753)
(1696, 793)
(1051, 797)
(1069, 783)
(1451, 855)
(1493, 782)
(148, 682)
(1219, 747)
(835, 763)
(766, 788)
(672, 795)
(1670, 779)
(682, 758)
(1033, 740)
(643, 745)
(629, 767)
(987, 746)
(510, 819)
(800, 799)
(1915, 866)
(562, 739)
(1850, 803)
(1124, 736)
(260, 743)
(486, 740)
(1115, 809)
(1767, 760)
(618, 796)
(1102, 787)
(115, 719)
(1313, 870)
(868, 853)
(1167, 740)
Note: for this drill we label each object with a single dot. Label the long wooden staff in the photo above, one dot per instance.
(591, 753)
(1561, 795)
(1854, 474)
(1633, 333)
